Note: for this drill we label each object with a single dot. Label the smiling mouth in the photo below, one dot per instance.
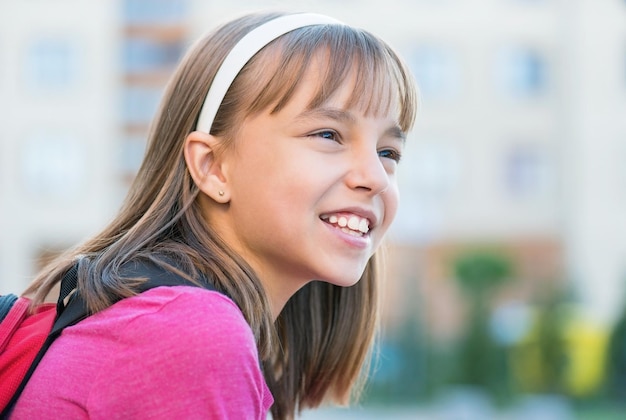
(348, 223)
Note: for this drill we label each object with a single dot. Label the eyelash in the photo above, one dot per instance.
(385, 153)
(392, 154)
(335, 136)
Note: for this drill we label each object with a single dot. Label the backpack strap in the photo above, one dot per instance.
(76, 309)
(6, 303)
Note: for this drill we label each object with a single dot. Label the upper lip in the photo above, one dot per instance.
(358, 211)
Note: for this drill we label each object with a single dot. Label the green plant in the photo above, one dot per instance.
(482, 361)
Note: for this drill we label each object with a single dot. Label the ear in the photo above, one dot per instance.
(205, 167)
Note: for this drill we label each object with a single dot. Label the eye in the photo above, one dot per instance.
(326, 135)
(390, 154)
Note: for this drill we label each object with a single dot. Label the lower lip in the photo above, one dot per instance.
(360, 242)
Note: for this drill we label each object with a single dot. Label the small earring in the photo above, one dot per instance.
(220, 193)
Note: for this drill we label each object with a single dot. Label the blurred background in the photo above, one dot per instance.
(504, 295)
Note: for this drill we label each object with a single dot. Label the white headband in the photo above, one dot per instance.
(243, 51)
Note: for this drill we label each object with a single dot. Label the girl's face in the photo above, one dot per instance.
(312, 191)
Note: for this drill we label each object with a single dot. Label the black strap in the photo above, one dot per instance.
(6, 303)
(76, 310)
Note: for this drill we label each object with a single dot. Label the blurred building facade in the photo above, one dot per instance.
(58, 106)
(519, 143)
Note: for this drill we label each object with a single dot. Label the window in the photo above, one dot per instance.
(438, 72)
(528, 170)
(154, 11)
(51, 64)
(521, 72)
(142, 55)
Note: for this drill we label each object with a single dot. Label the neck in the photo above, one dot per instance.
(278, 288)
(279, 285)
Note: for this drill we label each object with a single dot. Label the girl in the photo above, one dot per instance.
(271, 174)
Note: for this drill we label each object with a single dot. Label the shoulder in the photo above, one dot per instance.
(163, 323)
(170, 352)
(169, 314)
(181, 344)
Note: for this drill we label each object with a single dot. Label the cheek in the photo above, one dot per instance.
(271, 185)
(391, 199)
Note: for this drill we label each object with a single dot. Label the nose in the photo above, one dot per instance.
(367, 172)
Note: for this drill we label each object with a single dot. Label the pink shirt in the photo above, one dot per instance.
(170, 352)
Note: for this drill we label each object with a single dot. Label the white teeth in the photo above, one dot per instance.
(350, 232)
(350, 224)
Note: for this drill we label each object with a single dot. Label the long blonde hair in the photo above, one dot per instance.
(317, 347)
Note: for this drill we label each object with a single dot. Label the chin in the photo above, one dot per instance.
(345, 281)
(341, 275)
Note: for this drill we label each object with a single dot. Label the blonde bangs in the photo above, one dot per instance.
(381, 81)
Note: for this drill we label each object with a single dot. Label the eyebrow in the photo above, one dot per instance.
(344, 116)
